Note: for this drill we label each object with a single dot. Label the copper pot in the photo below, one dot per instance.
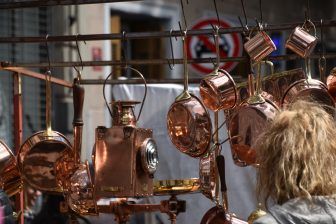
(10, 177)
(188, 122)
(218, 89)
(207, 174)
(309, 89)
(259, 46)
(301, 41)
(38, 154)
(248, 122)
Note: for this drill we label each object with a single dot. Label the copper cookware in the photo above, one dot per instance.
(260, 45)
(38, 154)
(309, 89)
(188, 122)
(125, 156)
(218, 89)
(331, 83)
(10, 177)
(175, 187)
(249, 121)
(301, 41)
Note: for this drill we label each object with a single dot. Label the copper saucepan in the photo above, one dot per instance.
(188, 122)
(249, 121)
(218, 89)
(309, 89)
(10, 177)
(38, 154)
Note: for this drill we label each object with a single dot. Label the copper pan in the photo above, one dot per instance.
(219, 213)
(188, 122)
(311, 90)
(38, 154)
(10, 177)
(218, 89)
(249, 121)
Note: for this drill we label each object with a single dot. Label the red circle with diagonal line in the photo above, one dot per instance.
(203, 46)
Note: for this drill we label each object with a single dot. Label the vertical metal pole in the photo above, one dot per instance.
(17, 98)
(216, 140)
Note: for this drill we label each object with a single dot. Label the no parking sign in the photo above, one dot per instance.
(203, 46)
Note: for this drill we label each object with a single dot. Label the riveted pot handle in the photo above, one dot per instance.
(78, 101)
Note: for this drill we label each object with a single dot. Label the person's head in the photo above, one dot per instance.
(297, 154)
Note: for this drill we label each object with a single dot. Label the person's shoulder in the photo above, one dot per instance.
(266, 219)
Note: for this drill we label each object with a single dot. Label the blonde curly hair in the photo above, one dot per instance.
(297, 154)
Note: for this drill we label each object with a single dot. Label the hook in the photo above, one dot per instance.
(260, 10)
(183, 13)
(79, 72)
(46, 38)
(124, 46)
(245, 28)
(172, 51)
(244, 11)
(216, 12)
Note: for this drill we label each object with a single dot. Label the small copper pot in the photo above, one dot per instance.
(207, 175)
(219, 92)
(259, 46)
(301, 41)
(10, 177)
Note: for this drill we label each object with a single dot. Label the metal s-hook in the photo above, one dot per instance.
(79, 72)
(46, 39)
(124, 46)
(172, 51)
(183, 13)
(322, 59)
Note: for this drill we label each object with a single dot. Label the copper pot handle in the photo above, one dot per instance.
(145, 94)
(309, 22)
(185, 94)
(48, 102)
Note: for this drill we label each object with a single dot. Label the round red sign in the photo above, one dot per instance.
(203, 46)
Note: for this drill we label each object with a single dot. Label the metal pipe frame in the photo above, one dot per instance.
(289, 57)
(148, 35)
(42, 3)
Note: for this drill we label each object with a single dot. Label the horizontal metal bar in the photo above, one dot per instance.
(36, 75)
(42, 3)
(147, 35)
(288, 57)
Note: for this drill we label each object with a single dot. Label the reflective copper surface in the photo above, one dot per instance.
(123, 113)
(81, 197)
(10, 177)
(216, 215)
(259, 46)
(218, 91)
(175, 187)
(309, 89)
(246, 125)
(301, 42)
(331, 83)
(119, 171)
(207, 174)
(37, 157)
(189, 126)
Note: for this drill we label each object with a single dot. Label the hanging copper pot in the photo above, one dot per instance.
(188, 122)
(38, 154)
(218, 89)
(309, 89)
(207, 174)
(249, 121)
(10, 177)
